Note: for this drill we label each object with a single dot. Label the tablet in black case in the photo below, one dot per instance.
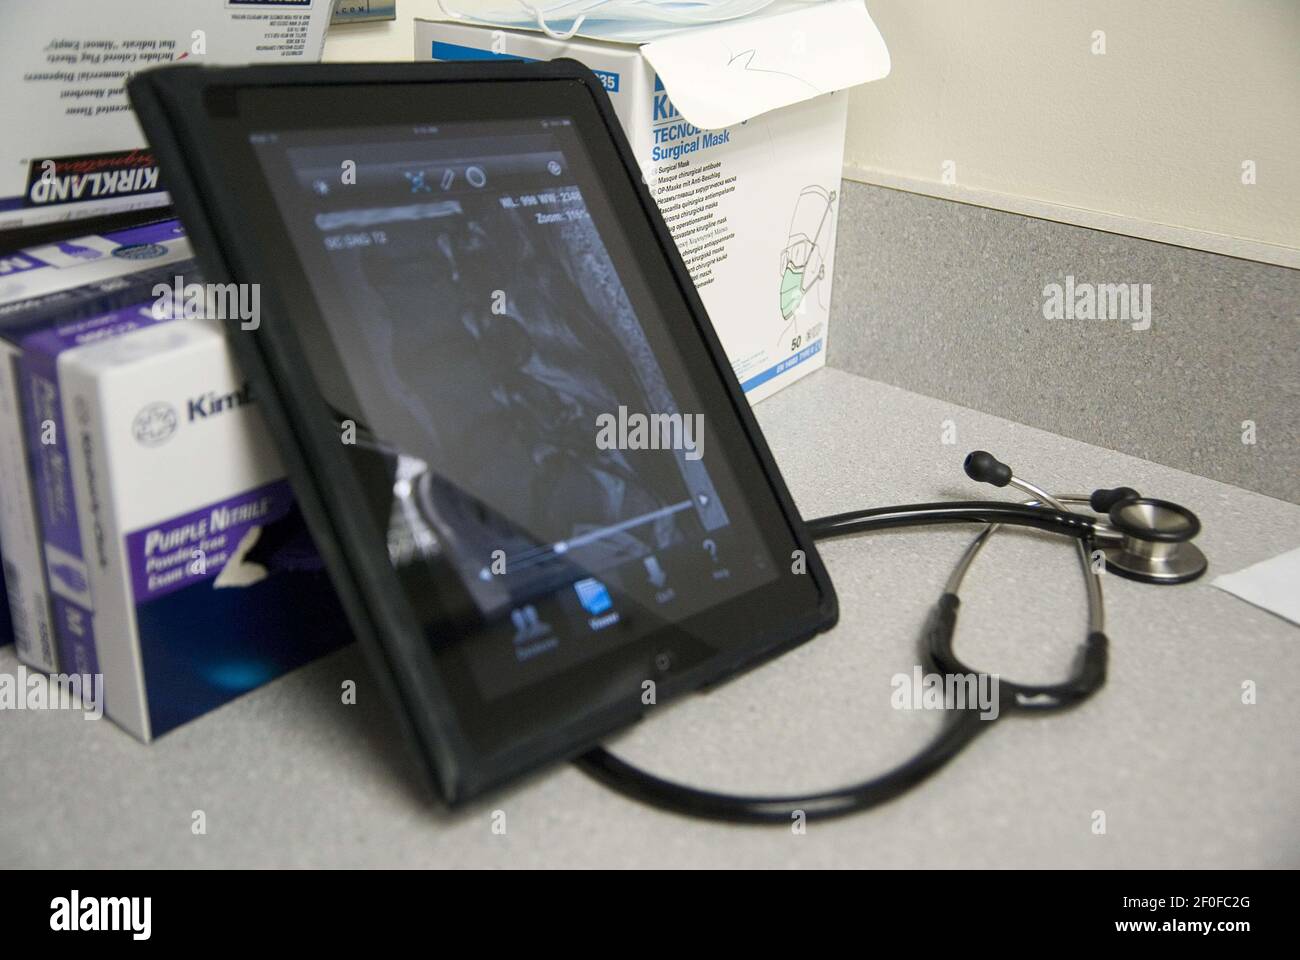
(539, 489)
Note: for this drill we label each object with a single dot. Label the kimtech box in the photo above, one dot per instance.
(739, 128)
(171, 526)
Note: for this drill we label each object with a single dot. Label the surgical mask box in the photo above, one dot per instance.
(55, 282)
(739, 129)
(169, 524)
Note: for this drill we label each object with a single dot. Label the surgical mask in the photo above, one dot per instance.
(654, 14)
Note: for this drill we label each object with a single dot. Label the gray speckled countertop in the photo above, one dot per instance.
(1186, 774)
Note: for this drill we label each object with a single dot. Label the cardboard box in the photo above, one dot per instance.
(27, 599)
(203, 579)
(71, 145)
(143, 509)
(40, 286)
(739, 130)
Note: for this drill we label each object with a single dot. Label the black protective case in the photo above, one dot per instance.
(170, 105)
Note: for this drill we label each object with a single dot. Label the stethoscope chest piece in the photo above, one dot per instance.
(1154, 542)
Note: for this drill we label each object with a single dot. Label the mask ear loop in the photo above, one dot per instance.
(449, 12)
(542, 25)
(546, 27)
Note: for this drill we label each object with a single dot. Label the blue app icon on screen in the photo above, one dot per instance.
(593, 595)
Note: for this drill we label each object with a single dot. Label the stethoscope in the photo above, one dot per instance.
(1141, 539)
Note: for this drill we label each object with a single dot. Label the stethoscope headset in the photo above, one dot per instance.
(1140, 539)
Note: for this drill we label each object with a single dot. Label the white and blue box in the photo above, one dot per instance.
(739, 130)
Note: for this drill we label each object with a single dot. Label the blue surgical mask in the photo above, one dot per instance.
(654, 15)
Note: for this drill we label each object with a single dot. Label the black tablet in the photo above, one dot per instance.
(520, 448)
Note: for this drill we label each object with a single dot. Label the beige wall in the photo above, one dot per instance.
(1147, 139)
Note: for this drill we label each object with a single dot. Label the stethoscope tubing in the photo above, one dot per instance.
(961, 727)
(1077, 525)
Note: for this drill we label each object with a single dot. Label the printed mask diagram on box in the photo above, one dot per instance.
(803, 264)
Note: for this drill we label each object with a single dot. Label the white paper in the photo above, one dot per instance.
(735, 70)
(1272, 585)
(721, 75)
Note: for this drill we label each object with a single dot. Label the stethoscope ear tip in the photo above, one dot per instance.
(982, 467)
(1104, 499)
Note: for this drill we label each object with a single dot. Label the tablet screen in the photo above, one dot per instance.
(534, 454)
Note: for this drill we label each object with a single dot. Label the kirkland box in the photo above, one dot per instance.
(170, 527)
(71, 146)
(41, 285)
(739, 130)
